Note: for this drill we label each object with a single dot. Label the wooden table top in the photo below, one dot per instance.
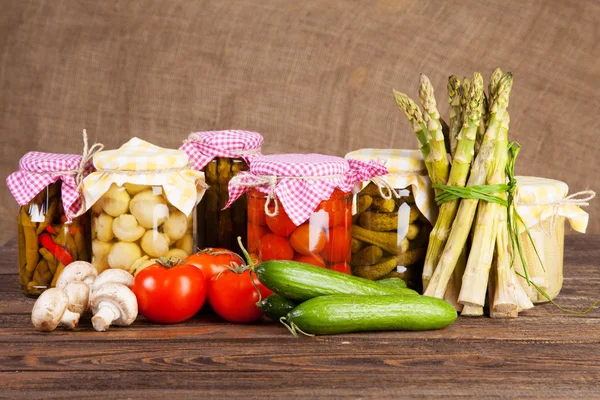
(543, 353)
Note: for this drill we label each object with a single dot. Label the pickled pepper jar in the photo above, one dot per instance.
(142, 199)
(221, 155)
(393, 217)
(300, 207)
(52, 229)
(543, 204)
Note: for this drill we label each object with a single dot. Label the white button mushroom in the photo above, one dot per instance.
(142, 263)
(149, 209)
(176, 226)
(113, 276)
(100, 251)
(176, 253)
(51, 310)
(77, 271)
(126, 228)
(123, 255)
(186, 243)
(134, 189)
(113, 304)
(115, 201)
(79, 296)
(102, 227)
(155, 244)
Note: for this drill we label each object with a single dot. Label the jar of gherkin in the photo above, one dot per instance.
(52, 231)
(221, 155)
(392, 217)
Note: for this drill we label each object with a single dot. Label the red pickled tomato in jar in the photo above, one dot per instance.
(324, 240)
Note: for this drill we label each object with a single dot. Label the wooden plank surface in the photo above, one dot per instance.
(543, 353)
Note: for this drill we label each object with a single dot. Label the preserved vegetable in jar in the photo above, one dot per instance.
(393, 218)
(322, 240)
(299, 207)
(544, 206)
(52, 229)
(221, 155)
(142, 199)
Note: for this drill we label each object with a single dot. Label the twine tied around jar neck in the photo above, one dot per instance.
(580, 199)
(195, 137)
(86, 157)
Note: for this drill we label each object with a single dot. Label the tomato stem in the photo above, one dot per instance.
(170, 262)
(251, 266)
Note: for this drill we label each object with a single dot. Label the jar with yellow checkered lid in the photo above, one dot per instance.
(392, 217)
(544, 205)
(142, 199)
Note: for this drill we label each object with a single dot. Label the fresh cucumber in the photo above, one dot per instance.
(327, 315)
(299, 281)
(275, 306)
(392, 282)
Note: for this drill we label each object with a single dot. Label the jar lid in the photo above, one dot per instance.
(395, 160)
(143, 163)
(407, 169)
(139, 155)
(301, 181)
(539, 199)
(203, 147)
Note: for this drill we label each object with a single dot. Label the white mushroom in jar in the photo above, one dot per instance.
(115, 201)
(177, 254)
(102, 227)
(176, 226)
(134, 189)
(154, 243)
(186, 243)
(126, 228)
(142, 263)
(100, 251)
(149, 209)
(123, 255)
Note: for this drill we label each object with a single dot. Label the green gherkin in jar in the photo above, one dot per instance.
(217, 227)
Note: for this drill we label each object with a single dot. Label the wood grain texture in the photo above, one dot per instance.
(311, 76)
(543, 353)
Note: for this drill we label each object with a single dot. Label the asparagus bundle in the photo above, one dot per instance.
(479, 127)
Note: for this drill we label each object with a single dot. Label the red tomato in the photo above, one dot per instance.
(256, 213)
(280, 224)
(335, 211)
(233, 295)
(344, 268)
(308, 239)
(168, 295)
(213, 261)
(313, 259)
(255, 233)
(274, 247)
(337, 248)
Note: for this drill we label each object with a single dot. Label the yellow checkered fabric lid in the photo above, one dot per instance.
(143, 163)
(406, 169)
(538, 199)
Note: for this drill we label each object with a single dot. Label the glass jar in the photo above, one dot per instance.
(47, 243)
(544, 206)
(133, 225)
(549, 243)
(323, 240)
(393, 217)
(217, 227)
(389, 236)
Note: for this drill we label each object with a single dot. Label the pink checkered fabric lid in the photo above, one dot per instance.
(302, 181)
(203, 147)
(38, 170)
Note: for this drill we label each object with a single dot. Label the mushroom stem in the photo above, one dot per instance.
(69, 319)
(106, 314)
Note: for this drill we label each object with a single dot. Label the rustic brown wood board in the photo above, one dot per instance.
(543, 353)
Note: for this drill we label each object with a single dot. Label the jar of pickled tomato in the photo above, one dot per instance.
(300, 207)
